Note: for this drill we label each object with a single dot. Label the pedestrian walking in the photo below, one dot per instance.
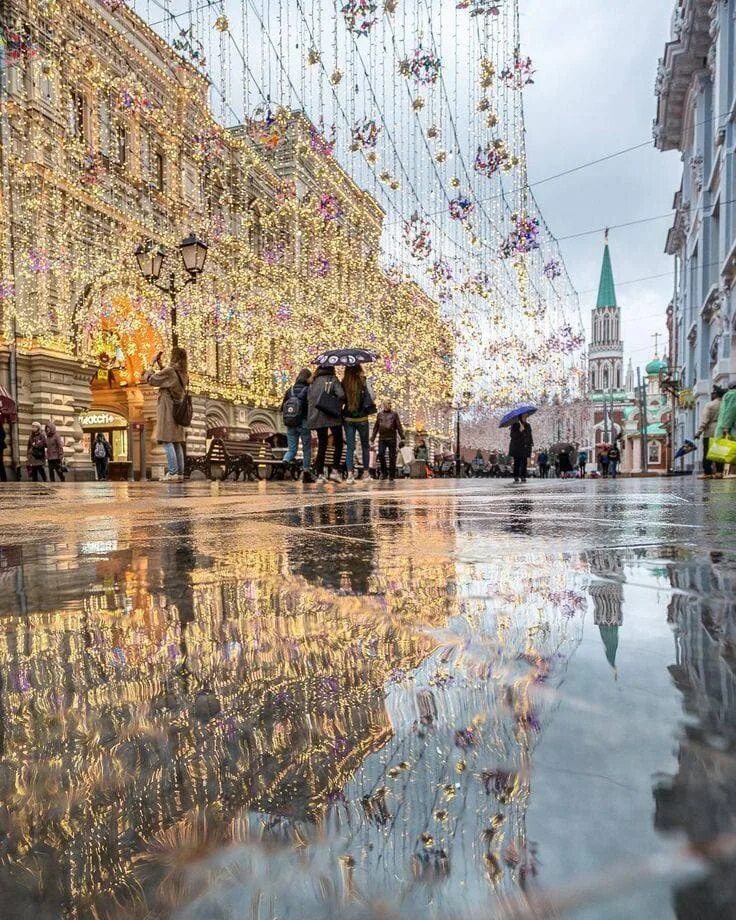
(603, 461)
(3, 444)
(326, 400)
(582, 462)
(36, 453)
(388, 429)
(294, 409)
(54, 453)
(707, 430)
(359, 406)
(565, 464)
(520, 447)
(173, 411)
(543, 464)
(406, 453)
(726, 424)
(101, 455)
(614, 457)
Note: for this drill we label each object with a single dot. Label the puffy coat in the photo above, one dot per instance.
(54, 445)
(167, 430)
(316, 417)
(37, 439)
(521, 440)
(709, 418)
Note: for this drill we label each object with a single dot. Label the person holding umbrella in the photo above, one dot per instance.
(522, 442)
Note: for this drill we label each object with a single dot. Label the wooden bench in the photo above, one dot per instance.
(234, 456)
(443, 468)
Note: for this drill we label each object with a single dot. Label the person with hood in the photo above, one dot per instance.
(359, 406)
(543, 463)
(294, 408)
(582, 462)
(389, 429)
(614, 458)
(707, 430)
(326, 400)
(36, 453)
(54, 453)
(3, 474)
(172, 382)
(520, 447)
(101, 455)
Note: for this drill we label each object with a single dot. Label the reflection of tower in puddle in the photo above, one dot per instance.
(445, 800)
(608, 598)
(700, 799)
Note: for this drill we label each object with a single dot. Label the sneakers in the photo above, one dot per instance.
(321, 478)
(335, 476)
(351, 476)
(171, 477)
(307, 476)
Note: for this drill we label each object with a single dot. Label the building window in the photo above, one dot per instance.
(76, 114)
(655, 451)
(121, 145)
(159, 170)
(618, 376)
(105, 127)
(605, 377)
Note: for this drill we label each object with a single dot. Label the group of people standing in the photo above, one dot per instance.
(717, 420)
(322, 403)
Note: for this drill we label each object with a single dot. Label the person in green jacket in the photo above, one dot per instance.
(726, 425)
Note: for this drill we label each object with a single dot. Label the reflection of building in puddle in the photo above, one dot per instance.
(701, 798)
(121, 714)
(608, 597)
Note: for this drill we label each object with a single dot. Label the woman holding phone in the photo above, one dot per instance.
(172, 382)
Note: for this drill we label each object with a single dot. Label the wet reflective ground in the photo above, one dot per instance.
(432, 700)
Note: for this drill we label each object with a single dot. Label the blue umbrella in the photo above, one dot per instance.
(516, 413)
(687, 448)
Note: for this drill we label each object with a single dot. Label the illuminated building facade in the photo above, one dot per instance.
(107, 142)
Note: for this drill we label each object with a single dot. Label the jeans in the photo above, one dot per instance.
(174, 458)
(293, 436)
(389, 446)
(520, 468)
(361, 429)
(55, 470)
(38, 472)
(581, 467)
(322, 436)
(101, 469)
(708, 465)
(612, 468)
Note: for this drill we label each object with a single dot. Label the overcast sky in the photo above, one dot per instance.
(594, 94)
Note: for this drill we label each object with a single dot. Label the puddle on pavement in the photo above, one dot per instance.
(278, 723)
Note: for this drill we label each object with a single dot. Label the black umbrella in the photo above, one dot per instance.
(346, 357)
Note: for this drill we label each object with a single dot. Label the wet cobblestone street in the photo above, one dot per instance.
(444, 699)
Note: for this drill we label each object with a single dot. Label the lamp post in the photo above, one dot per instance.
(459, 406)
(151, 260)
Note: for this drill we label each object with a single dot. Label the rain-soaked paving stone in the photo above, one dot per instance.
(434, 700)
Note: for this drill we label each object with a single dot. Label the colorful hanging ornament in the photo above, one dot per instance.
(19, 46)
(283, 313)
(222, 24)
(480, 7)
(313, 56)
(365, 134)
(133, 99)
(7, 289)
(440, 271)
(360, 16)
(319, 266)
(423, 67)
(518, 74)
(189, 46)
(493, 157)
(39, 261)
(335, 76)
(523, 238)
(461, 207)
(320, 143)
(552, 269)
(329, 207)
(487, 73)
(417, 236)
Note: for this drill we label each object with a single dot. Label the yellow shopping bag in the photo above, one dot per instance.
(722, 450)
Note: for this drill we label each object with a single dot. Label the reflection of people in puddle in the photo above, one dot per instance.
(519, 519)
(337, 550)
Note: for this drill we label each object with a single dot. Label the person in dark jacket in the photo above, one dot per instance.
(520, 447)
(389, 429)
(324, 389)
(543, 463)
(54, 453)
(101, 454)
(3, 474)
(299, 431)
(614, 456)
(359, 407)
(36, 453)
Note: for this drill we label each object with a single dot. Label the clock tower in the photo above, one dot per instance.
(606, 352)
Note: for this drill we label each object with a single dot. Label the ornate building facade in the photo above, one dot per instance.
(696, 94)
(108, 142)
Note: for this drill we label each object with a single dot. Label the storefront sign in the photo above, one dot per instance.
(101, 419)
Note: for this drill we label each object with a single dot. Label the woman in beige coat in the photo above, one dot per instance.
(708, 420)
(172, 382)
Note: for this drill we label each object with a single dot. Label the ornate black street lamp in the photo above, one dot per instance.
(460, 405)
(151, 258)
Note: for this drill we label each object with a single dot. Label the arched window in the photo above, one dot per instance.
(606, 377)
(592, 378)
(618, 376)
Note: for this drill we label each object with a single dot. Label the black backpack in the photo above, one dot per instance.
(183, 408)
(292, 410)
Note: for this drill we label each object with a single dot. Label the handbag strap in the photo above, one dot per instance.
(181, 383)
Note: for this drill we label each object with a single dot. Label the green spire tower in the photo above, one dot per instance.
(606, 353)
